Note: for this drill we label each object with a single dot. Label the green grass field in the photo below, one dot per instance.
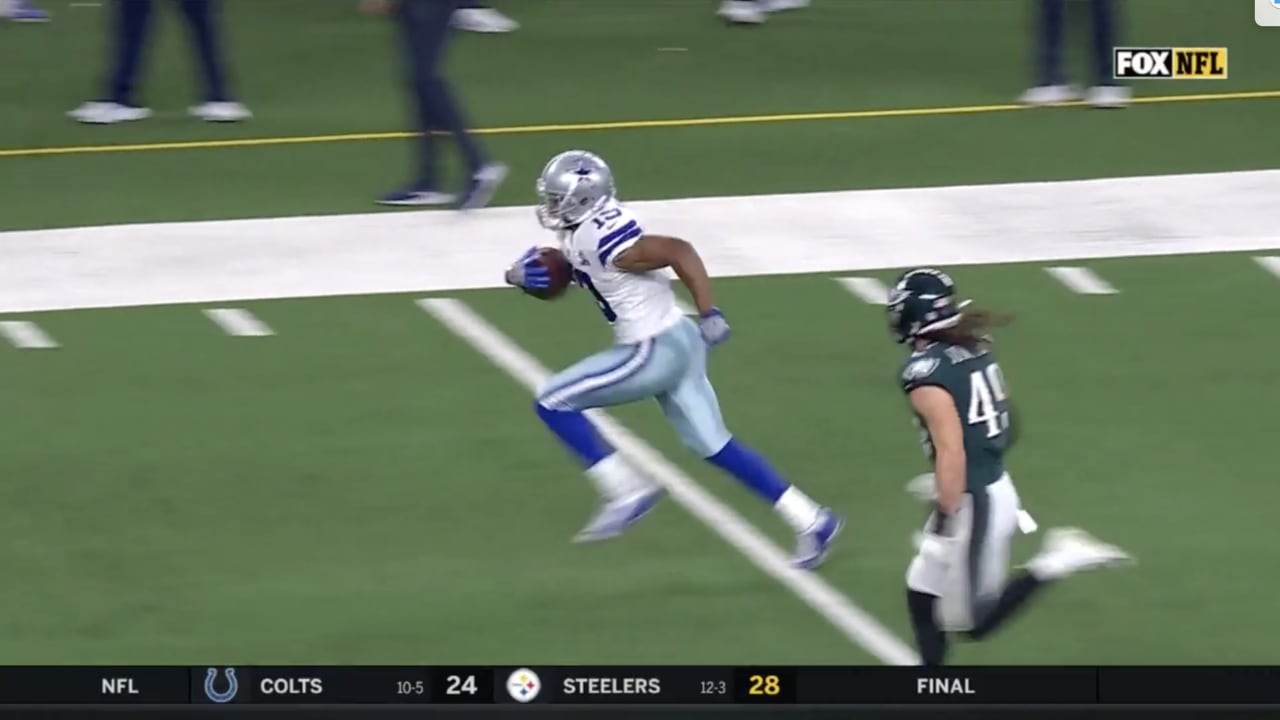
(363, 487)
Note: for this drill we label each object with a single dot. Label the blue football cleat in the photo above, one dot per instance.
(22, 11)
(615, 516)
(814, 544)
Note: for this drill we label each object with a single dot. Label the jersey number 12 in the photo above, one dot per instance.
(986, 393)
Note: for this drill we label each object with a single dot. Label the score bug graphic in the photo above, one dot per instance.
(523, 685)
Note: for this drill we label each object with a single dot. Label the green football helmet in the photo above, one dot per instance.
(923, 300)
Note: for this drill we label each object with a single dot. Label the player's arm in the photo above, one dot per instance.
(654, 252)
(938, 410)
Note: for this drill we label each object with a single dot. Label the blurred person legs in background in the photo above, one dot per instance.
(130, 28)
(424, 29)
(1052, 85)
(755, 12)
(22, 11)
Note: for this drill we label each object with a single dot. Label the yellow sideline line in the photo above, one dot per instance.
(614, 125)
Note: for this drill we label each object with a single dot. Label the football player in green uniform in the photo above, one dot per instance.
(957, 581)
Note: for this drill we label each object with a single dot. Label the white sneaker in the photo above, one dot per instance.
(1068, 551)
(1048, 95)
(1109, 96)
(225, 111)
(108, 113)
(780, 5)
(742, 12)
(483, 20)
(615, 516)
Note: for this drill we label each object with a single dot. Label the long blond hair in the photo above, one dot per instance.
(973, 329)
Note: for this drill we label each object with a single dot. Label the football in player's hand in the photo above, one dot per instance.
(559, 270)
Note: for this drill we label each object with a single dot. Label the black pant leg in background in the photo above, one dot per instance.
(1104, 39)
(129, 37)
(1050, 36)
(201, 18)
(425, 29)
(132, 25)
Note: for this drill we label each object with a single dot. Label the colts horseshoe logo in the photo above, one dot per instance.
(232, 685)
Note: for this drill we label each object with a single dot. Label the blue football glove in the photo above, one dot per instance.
(528, 273)
(715, 329)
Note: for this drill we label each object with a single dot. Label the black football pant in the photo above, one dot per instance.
(132, 23)
(1051, 19)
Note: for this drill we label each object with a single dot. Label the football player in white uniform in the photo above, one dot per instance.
(658, 353)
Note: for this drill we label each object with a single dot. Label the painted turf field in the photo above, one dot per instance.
(355, 484)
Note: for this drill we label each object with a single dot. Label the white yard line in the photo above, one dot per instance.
(867, 289)
(26, 335)
(1081, 280)
(858, 626)
(1271, 263)
(239, 322)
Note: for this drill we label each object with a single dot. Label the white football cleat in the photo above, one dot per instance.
(483, 20)
(1068, 551)
(23, 12)
(742, 12)
(224, 111)
(1041, 95)
(615, 516)
(1109, 96)
(108, 113)
(813, 545)
(781, 5)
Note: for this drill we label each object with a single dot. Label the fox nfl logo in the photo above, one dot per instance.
(1170, 63)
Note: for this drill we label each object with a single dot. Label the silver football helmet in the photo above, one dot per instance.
(573, 186)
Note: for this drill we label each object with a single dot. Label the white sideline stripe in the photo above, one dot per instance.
(859, 627)
(227, 262)
(1081, 280)
(1271, 263)
(239, 322)
(867, 289)
(26, 335)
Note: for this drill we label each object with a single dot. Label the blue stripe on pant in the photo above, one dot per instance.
(670, 368)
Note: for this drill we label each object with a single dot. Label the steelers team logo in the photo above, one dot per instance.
(523, 685)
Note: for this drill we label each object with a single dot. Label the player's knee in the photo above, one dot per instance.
(546, 407)
(703, 444)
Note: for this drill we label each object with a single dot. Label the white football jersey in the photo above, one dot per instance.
(639, 305)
